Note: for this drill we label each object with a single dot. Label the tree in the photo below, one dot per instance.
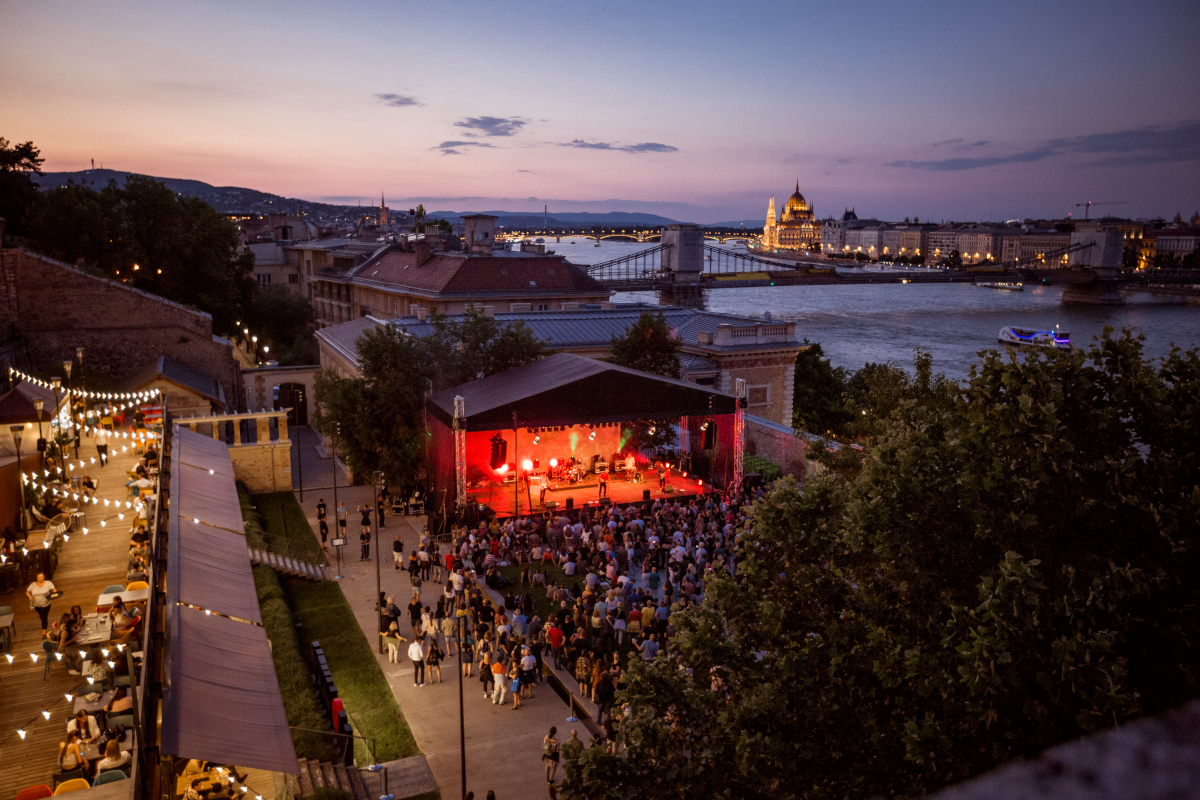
(17, 189)
(381, 414)
(283, 320)
(817, 393)
(651, 346)
(1012, 568)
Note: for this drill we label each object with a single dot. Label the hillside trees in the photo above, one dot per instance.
(1014, 566)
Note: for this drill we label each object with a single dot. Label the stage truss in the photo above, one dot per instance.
(460, 450)
(739, 432)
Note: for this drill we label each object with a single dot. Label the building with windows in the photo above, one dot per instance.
(796, 229)
(716, 349)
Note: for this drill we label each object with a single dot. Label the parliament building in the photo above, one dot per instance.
(797, 229)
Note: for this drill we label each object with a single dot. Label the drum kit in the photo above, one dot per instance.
(569, 470)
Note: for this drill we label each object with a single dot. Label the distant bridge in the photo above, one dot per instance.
(631, 233)
(685, 265)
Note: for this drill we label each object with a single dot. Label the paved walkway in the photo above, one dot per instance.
(503, 747)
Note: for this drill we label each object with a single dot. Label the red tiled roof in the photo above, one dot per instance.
(459, 274)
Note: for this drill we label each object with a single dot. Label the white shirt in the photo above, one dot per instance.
(416, 652)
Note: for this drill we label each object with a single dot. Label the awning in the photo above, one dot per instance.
(566, 389)
(221, 701)
(203, 452)
(210, 498)
(209, 568)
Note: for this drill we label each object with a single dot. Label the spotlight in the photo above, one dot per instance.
(527, 465)
(502, 469)
(537, 439)
(592, 436)
(553, 462)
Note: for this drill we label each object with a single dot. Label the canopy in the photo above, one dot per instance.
(566, 389)
(221, 700)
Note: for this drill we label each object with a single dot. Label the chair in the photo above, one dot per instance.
(39, 517)
(109, 776)
(73, 785)
(37, 792)
(137, 585)
(10, 630)
(113, 589)
(50, 652)
(125, 721)
(63, 777)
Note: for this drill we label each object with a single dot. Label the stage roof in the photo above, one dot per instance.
(566, 389)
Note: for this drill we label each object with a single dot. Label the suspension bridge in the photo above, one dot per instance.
(681, 264)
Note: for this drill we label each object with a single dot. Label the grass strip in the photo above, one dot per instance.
(325, 614)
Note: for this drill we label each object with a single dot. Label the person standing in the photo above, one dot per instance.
(381, 506)
(341, 519)
(603, 484)
(322, 509)
(662, 476)
(365, 536)
(39, 594)
(102, 444)
(398, 552)
(550, 754)
(416, 652)
(393, 639)
(499, 682)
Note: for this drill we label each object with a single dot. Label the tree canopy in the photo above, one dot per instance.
(648, 345)
(284, 321)
(381, 415)
(1015, 565)
(17, 189)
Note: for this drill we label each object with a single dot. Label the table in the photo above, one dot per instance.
(96, 628)
(92, 751)
(129, 596)
(83, 704)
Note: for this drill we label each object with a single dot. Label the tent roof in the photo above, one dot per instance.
(221, 700)
(17, 405)
(566, 389)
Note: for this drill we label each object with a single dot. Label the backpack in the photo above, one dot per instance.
(550, 749)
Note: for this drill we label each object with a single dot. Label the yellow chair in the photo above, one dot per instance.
(73, 785)
(137, 585)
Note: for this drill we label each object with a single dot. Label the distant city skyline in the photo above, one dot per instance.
(693, 111)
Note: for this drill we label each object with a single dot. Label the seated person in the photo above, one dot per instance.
(140, 537)
(137, 570)
(122, 619)
(137, 484)
(120, 703)
(70, 756)
(52, 507)
(139, 551)
(89, 486)
(140, 469)
(67, 630)
(114, 757)
(85, 726)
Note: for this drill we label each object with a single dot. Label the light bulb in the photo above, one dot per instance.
(46, 714)
(34, 657)
(21, 733)
(70, 697)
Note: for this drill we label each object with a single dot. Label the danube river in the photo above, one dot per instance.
(856, 324)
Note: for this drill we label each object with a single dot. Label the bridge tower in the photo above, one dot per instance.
(684, 253)
(1103, 259)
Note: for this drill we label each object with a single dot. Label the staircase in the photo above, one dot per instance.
(288, 566)
(317, 774)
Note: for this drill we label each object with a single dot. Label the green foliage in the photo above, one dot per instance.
(381, 415)
(1014, 566)
(17, 189)
(817, 393)
(148, 237)
(325, 614)
(648, 345)
(769, 470)
(283, 320)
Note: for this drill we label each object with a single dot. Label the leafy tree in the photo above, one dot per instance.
(382, 414)
(1013, 567)
(284, 321)
(17, 189)
(817, 393)
(78, 225)
(648, 345)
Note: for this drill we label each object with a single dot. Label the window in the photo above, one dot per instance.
(758, 395)
(543, 306)
(293, 279)
(264, 278)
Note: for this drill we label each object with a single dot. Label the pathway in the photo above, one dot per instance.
(503, 747)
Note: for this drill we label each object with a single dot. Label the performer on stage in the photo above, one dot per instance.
(603, 484)
(662, 476)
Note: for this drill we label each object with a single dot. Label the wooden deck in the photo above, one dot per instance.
(86, 565)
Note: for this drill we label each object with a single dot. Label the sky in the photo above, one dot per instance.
(697, 111)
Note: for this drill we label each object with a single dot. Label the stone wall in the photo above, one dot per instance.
(263, 467)
(56, 308)
(775, 372)
(778, 444)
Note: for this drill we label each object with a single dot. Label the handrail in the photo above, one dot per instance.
(343, 744)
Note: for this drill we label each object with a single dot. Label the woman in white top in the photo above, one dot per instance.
(114, 757)
(39, 597)
(70, 757)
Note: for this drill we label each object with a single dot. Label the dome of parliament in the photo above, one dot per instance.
(795, 229)
(796, 202)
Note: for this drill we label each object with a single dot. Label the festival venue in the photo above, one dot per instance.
(565, 431)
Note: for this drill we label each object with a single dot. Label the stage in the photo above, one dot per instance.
(499, 497)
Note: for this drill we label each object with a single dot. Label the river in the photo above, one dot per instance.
(857, 324)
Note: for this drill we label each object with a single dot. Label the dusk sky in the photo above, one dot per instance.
(696, 111)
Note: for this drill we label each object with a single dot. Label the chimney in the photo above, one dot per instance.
(420, 312)
(422, 251)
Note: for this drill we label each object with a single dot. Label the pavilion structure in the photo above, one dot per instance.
(538, 437)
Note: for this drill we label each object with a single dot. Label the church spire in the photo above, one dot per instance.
(382, 210)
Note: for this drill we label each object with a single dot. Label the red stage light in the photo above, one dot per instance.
(699, 483)
(685, 474)
(527, 465)
(503, 468)
(554, 462)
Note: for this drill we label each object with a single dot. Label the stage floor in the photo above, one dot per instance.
(620, 492)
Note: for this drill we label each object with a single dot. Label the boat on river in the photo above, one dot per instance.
(1059, 340)
(1004, 286)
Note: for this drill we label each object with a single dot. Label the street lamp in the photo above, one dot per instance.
(16, 434)
(82, 385)
(56, 382)
(376, 479)
(71, 405)
(39, 403)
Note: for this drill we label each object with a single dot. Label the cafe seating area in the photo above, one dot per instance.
(42, 687)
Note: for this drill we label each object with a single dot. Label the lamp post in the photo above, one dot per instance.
(39, 403)
(254, 339)
(82, 386)
(56, 382)
(71, 406)
(16, 431)
(376, 479)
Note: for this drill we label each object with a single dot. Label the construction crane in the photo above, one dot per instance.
(1087, 207)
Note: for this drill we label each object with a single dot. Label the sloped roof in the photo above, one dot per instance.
(17, 404)
(180, 375)
(566, 389)
(476, 276)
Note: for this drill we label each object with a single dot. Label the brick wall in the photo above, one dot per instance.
(56, 308)
(777, 444)
(263, 467)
